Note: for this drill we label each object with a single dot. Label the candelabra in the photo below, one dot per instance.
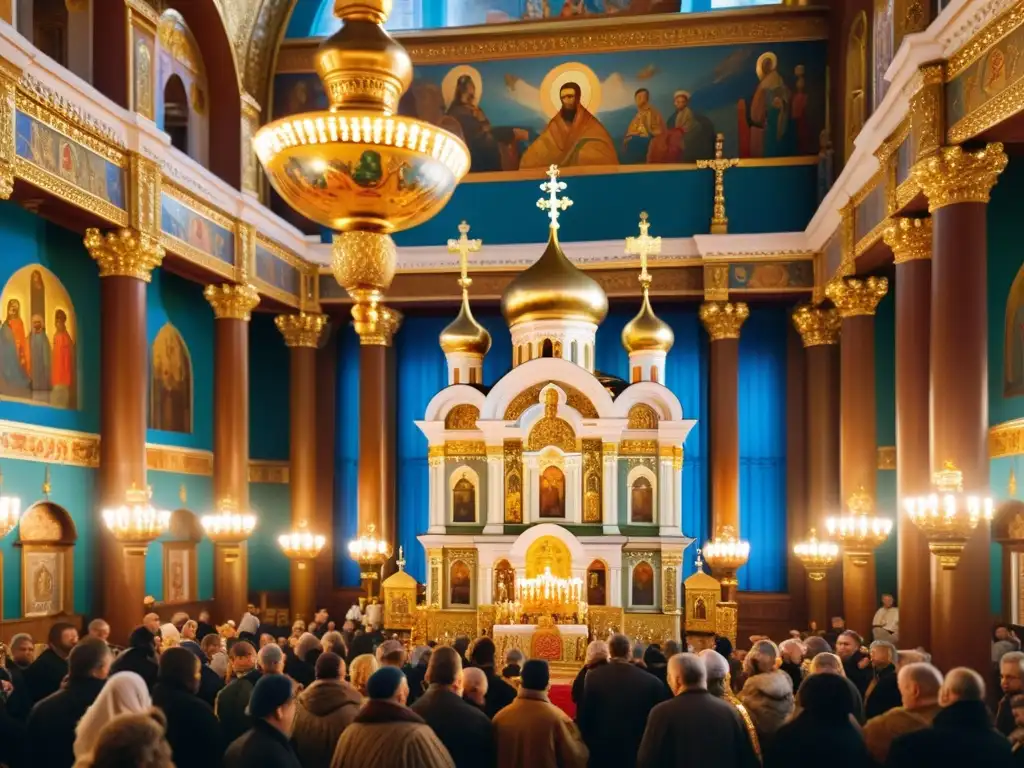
(948, 517)
(547, 594)
(300, 544)
(726, 554)
(10, 510)
(817, 556)
(136, 521)
(229, 525)
(860, 532)
(371, 553)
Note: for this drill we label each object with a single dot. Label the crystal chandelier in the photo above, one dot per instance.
(229, 525)
(10, 510)
(300, 544)
(948, 517)
(817, 556)
(860, 532)
(137, 521)
(726, 554)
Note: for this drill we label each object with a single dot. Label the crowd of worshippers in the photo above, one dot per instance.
(185, 694)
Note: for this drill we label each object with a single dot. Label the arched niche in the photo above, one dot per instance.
(642, 416)
(46, 536)
(181, 560)
(462, 416)
(464, 496)
(183, 91)
(548, 552)
(504, 582)
(597, 583)
(170, 382)
(641, 490)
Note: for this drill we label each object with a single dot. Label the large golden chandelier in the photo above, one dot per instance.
(357, 167)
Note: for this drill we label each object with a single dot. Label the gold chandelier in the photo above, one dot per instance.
(860, 532)
(137, 521)
(229, 525)
(371, 552)
(726, 554)
(817, 556)
(948, 518)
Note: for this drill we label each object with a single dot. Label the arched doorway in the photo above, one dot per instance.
(176, 112)
(46, 535)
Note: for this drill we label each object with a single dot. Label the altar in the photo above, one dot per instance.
(552, 642)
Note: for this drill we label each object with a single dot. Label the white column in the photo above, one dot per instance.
(610, 492)
(438, 491)
(666, 492)
(495, 489)
(530, 498)
(484, 575)
(573, 490)
(677, 502)
(615, 589)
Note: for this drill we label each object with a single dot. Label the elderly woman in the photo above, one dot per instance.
(597, 654)
(768, 691)
(360, 669)
(126, 693)
(792, 651)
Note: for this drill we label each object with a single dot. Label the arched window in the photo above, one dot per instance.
(856, 80)
(573, 354)
(642, 591)
(597, 583)
(547, 349)
(641, 506)
(176, 112)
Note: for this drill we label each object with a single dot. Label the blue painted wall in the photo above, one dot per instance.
(346, 458)
(199, 500)
(885, 410)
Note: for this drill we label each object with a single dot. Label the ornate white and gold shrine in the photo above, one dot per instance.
(556, 491)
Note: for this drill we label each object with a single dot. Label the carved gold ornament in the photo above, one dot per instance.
(909, 238)
(952, 176)
(817, 326)
(513, 481)
(231, 301)
(855, 296)
(592, 480)
(552, 430)
(302, 329)
(723, 319)
(462, 416)
(124, 253)
(363, 260)
(573, 398)
(376, 324)
(642, 416)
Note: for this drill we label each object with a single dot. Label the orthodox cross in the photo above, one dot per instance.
(643, 246)
(464, 246)
(699, 564)
(400, 562)
(553, 204)
(719, 222)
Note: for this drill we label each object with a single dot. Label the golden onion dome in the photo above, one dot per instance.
(464, 334)
(553, 288)
(646, 332)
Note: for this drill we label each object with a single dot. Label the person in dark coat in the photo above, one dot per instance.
(723, 645)
(461, 646)
(210, 683)
(657, 665)
(692, 729)
(192, 729)
(499, 693)
(204, 627)
(597, 654)
(267, 744)
(301, 666)
(233, 700)
(461, 727)
(50, 735)
(883, 691)
(416, 673)
(856, 664)
(19, 701)
(49, 670)
(961, 734)
(830, 664)
(12, 729)
(1011, 680)
(823, 733)
(513, 663)
(140, 657)
(792, 652)
(618, 697)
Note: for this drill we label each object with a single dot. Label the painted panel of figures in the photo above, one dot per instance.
(459, 583)
(55, 153)
(38, 340)
(641, 501)
(1013, 340)
(597, 584)
(552, 493)
(986, 78)
(276, 272)
(170, 376)
(179, 574)
(464, 501)
(643, 584)
(771, 276)
(181, 222)
(44, 582)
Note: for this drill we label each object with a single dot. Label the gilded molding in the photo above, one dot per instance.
(184, 461)
(909, 238)
(856, 296)
(144, 182)
(245, 252)
(1000, 107)
(231, 301)
(513, 481)
(269, 472)
(465, 449)
(952, 176)
(980, 42)
(887, 457)
(927, 112)
(8, 145)
(1006, 439)
(723, 319)
(677, 457)
(716, 282)
(435, 452)
(69, 118)
(888, 147)
(301, 329)
(124, 253)
(289, 258)
(28, 442)
(638, 448)
(817, 326)
(382, 332)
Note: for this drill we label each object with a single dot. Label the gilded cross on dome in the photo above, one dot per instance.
(553, 203)
(643, 246)
(464, 246)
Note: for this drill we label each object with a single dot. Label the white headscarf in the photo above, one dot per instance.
(124, 693)
(169, 636)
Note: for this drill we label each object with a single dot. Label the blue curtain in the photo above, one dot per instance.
(762, 415)
(346, 457)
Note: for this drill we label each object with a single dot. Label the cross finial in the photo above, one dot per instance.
(400, 562)
(553, 204)
(464, 246)
(643, 246)
(700, 562)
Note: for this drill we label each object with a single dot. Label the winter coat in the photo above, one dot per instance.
(263, 746)
(961, 734)
(810, 742)
(45, 674)
(231, 703)
(881, 731)
(50, 737)
(883, 693)
(619, 697)
(499, 693)
(579, 687)
(464, 730)
(192, 729)
(387, 735)
(322, 713)
(141, 661)
(532, 732)
(768, 697)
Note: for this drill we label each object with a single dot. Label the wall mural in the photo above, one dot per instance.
(984, 79)
(38, 339)
(771, 276)
(170, 382)
(182, 223)
(276, 272)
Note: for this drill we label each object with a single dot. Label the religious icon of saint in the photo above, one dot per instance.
(641, 501)
(552, 493)
(62, 370)
(700, 609)
(596, 586)
(490, 148)
(574, 136)
(770, 110)
(646, 125)
(464, 501)
(643, 584)
(170, 405)
(15, 366)
(459, 583)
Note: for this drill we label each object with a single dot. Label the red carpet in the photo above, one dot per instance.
(560, 695)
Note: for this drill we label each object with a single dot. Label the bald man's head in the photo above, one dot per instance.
(919, 685)
(686, 671)
(474, 685)
(962, 684)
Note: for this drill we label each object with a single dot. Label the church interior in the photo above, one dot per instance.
(527, 319)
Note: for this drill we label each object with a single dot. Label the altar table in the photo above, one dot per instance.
(573, 638)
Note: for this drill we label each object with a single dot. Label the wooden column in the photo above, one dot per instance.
(911, 244)
(856, 299)
(302, 335)
(126, 260)
(723, 321)
(232, 305)
(323, 519)
(819, 331)
(957, 184)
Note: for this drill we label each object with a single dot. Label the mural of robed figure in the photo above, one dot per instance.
(572, 137)
(490, 148)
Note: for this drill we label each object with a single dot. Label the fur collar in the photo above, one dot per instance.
(379, 712)
(775, 685)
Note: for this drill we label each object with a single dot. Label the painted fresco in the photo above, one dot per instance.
(38, 340)
(55, 153)
(771, 276)
(170, 382)
(870, 211)
(986, 78)
(277, 272)
(181, 222)
(1013, 340)
(636, 108)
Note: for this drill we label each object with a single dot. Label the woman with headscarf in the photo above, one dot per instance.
(126, 693)
(768, 691)
(249, 628)
(170, 637)
(140, 657)
(360, 670)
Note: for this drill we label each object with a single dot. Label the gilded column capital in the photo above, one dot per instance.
(375, 323)
(857, 296)
(124, 252)
(952, 176)
(909, 238)
(817, 326)
(302, 329)
(723, 319)
(231, 301)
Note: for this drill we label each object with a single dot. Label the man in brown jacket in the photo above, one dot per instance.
(324, 710)
(919, 688)
(531, 731)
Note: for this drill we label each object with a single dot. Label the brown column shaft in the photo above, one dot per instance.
(817, 603)
(323, 517)
(303, 471)
(959, 418)
(797, 522)
(725, 434)
(913, 468)
(376, 478)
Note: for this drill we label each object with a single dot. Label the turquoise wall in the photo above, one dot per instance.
(268, 567)
(167, 488)
(268, 390)
(885, 409)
